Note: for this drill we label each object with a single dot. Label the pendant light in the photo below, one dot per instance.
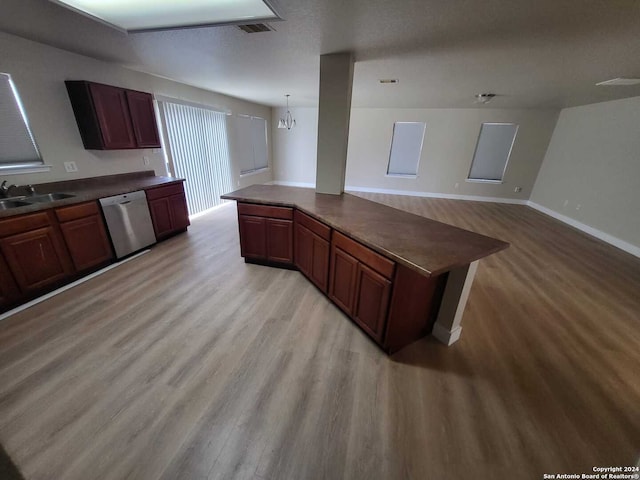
(287, 121)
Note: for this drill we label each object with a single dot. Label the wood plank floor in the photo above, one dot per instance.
(187, 363)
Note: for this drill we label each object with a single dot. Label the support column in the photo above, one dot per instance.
(336, 80)
(448, 326)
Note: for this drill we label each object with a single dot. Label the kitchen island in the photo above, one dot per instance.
(398, 276)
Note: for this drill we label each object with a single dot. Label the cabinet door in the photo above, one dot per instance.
(253, 237)
(342, 287)
(36, 258)
(87, 241)
(372, 300)
(160, 211)
(113, 116)
(9, 292)
(279, 240)
(304, 249)
(179, 212)
(143, 119)
(320, 263)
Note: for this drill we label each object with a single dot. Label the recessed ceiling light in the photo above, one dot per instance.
(387, 81)
(141, 15)
(620, 81)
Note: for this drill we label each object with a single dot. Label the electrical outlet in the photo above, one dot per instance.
(517, 189)
(145, 160)
(70, 167)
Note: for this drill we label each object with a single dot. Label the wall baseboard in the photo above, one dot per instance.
(444, 335)
(473, 198)
(594, 232)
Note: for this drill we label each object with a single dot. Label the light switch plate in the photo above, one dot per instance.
(70, 167)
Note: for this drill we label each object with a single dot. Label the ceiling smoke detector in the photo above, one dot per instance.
(619, 82)
(484, 98)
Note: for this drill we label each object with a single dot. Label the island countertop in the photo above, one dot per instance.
(424, 245)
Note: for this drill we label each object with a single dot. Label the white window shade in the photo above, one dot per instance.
(17, 146)
(252, 143)
(406, 148)
(492, 151)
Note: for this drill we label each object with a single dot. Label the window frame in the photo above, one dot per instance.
(506, 163)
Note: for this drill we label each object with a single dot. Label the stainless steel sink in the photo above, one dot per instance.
(7, 204)
(46, 197)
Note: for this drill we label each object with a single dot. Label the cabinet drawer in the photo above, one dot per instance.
(319, 228)
(364, 254)
(23, 223)
(159, 192)
(73, 212)
(284, 213)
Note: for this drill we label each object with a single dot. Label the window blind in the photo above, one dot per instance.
(199, 151)
(406, 148)
(492, 151)
(252, 143)
(17, 146)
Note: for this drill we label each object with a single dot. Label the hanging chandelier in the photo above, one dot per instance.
(287, 121)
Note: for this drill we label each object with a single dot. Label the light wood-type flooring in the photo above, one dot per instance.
(187, 363)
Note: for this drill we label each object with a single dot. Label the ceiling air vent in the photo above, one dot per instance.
(256, 28)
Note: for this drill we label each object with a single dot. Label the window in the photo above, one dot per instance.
(492, 152)
(252, 143)
(198, 150)
(406, 147)
(18, 150)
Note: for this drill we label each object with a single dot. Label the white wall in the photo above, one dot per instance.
(591, 172)
(447, 153)
(39, 72)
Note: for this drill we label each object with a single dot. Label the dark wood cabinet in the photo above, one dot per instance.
(253, 233)
(34, 251)
(372, 301)
(113, 118)
(9, 292)
(361, 284)
(85, 235)
(312, 249)
(279, 240)
(344, 277)
(143, 119)
(266, 234)
(168, 208)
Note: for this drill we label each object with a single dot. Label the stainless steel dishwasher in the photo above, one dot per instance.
(128, 222)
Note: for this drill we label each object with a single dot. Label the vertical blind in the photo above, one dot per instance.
(17, 147)
(492, 151)
(199, 152)
(252, 145)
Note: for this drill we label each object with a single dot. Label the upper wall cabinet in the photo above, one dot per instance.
(113, 118)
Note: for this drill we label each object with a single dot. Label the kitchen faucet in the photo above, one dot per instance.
(4, 189)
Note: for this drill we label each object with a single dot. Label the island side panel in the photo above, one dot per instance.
(414, 306)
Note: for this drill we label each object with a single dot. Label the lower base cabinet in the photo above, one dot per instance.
(34, 251)
(85, 235)
(168, 208)
(312, 255)
(266, 234)
(372, 301)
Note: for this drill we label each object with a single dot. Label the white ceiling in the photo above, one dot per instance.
(533, 54)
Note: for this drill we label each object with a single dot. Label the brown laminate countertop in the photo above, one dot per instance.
(424, 245)
(89, 189)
